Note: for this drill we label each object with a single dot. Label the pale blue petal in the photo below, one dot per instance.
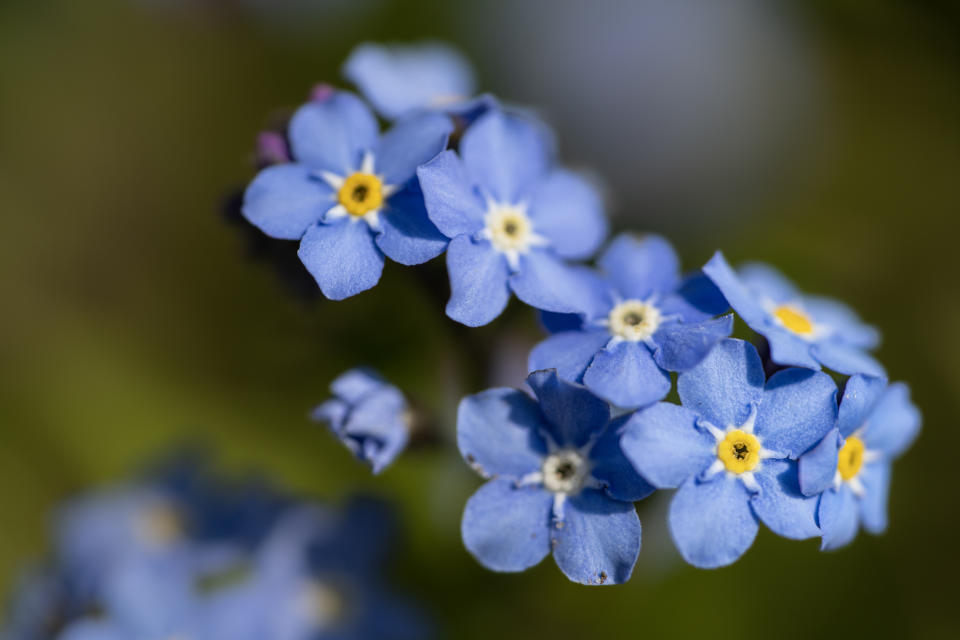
(333, 412)
(711, 522)
(413, 141)
(847, 360)
(641, 267)
(545, 282)
(478, 281)
(842, 321)
(873, 504)
(725, 384)
(625, 374)
(779, 503)
(799, 407)
(92, 630)
(450, 198)
(787, 348)
(507, 528)
(838, 517)
(333, 134)
(568, 211)
(569, 352)
(894, 423)
(611, 467)
(683, 345)
(818, 467)
(498, 433)
(860, 397)
(664, 445)
(407, 236)
(741, 299)
(352, 385)
(342, 257)
(598, 541)
(766, 282)
(574, 414)
(283, 200)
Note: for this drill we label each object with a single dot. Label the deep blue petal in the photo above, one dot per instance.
(860, 397)
(787, 348)
(342, 257)
(450, 198)
(498, 433)
(333, 134)
(598, 541)
(569, 352)
(568, 211)
(413, 141)
(799, 407)
(625, 374)
(683, 345)
(696, 299)
(407, 236)
(818, 467)
(560, 322)
(725, 384)
(478, 281)
(575, 415)
(711, 522)
(612, 468)
(641, 267)
(507, 528)
(841, 321)
(545, 282)
(743, 301)
(779, 503)
(846, 359)
(894, 423)
(873, 505)
(665, 446)
(283, 200)
(838, 517)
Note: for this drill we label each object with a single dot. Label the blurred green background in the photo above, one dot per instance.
(133, 316)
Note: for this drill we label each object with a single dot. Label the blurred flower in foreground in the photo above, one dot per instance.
(369, 416)
(182, 555)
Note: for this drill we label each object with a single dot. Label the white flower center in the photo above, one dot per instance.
(565, 471)
(634, 320)
(319, 603)
(510, 231)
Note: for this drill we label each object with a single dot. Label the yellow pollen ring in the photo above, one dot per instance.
(739, 451)
(850, 458)
(361, 193)
(794, 319)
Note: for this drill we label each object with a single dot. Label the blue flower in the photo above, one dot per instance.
(558, 482)
(513, 218)
(369, 416)
(803, 331)
(350, 196)
(731, 450)
(401, 79)
(643, 321)
(851, 466)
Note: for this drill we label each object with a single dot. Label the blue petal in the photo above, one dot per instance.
(741, 299)
(779, 503)
(498, 433)
(894, 423)
(818, 467)
(612, 468)
(568, 211)
(450, 198)
(507, 528)
(283, 200)
(787, 348)
(352, 385)
(684, 345)
(407, 236)
(842, 322)
(569, 352)
(92, 630)
(545, 282)
(860, 396)
(695, 300)
(838, 517)
(845, 359)
(766, 282)
(574, 414)
(560, 322)
(505, 155)
(413, 141)
(399, 79)
(641, 267)
(711, 522)
(478, 281)
(725, 384)
(625, 374)
(378, 421)
(873, 504)
(333, 134)
(799, 407)
(333, 412)
(598, 541)
(342, 257)
(664, 445)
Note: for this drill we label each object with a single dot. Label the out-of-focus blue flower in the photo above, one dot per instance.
(731, 451)
(369, 416)
(851, 466)
(558, 482)
(643, 321)
(803, 331)
(513, 218)
(400, 79)
(350, 196)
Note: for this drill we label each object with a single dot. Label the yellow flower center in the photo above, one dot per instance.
(794, 319)
(739, 451)
(509, 229)
(634, 320)
(361, 193)
(850, 458)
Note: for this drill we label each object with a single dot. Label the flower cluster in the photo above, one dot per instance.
(183, 555)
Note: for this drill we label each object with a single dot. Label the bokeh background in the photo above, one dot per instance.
(135, 315)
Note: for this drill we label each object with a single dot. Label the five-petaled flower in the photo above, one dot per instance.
(850, 468)
(558, 481)
(731, 450)
(803, 330)
(513, 218)
(350, 196)
(643, 321)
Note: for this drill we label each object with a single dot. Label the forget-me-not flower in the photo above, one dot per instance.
(558, 482)
(350, 195)
(643, 321)
(731, 449)
(850, 468)
(370, 417)
(803, 330)
(513, 218)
